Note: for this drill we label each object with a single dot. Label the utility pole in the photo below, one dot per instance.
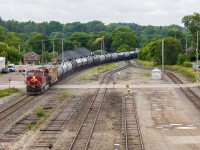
(197, 76)
(186, 43)
(45, 58)
(42, 52)
(162, 57)
(62, 51)
(53, 51)
(20, 52)
(103, 45)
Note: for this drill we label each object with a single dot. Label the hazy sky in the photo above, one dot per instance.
(142, 12)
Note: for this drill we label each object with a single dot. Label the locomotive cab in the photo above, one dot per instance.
(37, 81)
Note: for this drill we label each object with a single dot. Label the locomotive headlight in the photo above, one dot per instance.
(33, 77)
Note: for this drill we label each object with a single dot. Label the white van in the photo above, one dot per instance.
(11, 67)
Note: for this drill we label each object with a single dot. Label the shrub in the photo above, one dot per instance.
(182, 58)
(40, 112)
(187, 64)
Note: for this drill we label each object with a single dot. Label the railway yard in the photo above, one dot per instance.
(81, 112)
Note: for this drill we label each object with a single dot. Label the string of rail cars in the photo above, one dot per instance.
(40, 79)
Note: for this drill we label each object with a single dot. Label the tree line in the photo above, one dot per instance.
(31, 36)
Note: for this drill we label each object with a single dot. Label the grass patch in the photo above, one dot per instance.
(94, 72)
(188, 72)
(146, 64)
(64, 95)
(147, 74)
(32, 125)
(102, 68)
(9, 91)
(41, 114)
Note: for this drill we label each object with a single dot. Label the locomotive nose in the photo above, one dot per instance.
(33, 79)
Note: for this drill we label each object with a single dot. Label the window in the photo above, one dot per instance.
(30, 73)
(38, 73)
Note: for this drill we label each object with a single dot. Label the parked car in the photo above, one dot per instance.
(195, 66)
(11, 67)
(4, 70)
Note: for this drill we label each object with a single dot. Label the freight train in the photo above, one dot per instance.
(40, 79)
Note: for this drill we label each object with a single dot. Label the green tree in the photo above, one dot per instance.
(123, 36)
(192, 22)
(182, 58)
(95, 26)
(153, 50)
(74, 27)
(13, 39)
(10, 53)
(35, 43)
(2, 34)
(80, 37)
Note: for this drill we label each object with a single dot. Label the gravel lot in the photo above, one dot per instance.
(167, 119)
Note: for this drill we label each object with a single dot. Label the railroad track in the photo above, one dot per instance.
(86, 129)
(130, 126)
(49, 134)
(189, 93)
(20, 126)
(9, 110)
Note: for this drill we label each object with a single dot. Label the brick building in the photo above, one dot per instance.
(31, 58)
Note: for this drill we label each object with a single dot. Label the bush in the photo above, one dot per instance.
(40, 112)
(187, 64)
(182, 58)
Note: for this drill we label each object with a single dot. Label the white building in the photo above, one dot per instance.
(156, 74)
(2, 62)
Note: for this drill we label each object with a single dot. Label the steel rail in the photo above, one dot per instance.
(9, 110)
(98, 111)
(189, 93)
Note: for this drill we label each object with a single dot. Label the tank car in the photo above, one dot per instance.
(121, 56)
(126, 54)
(74, 64)
(79, 62)
(108, 57)
(114, 56)
(90, 60)
(102, 58)
(84, 62)
(96, 59)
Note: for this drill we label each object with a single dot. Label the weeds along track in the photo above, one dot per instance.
(132, 137)
(189, 93)
(21, 126)
(49, 134)
(84, 134)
